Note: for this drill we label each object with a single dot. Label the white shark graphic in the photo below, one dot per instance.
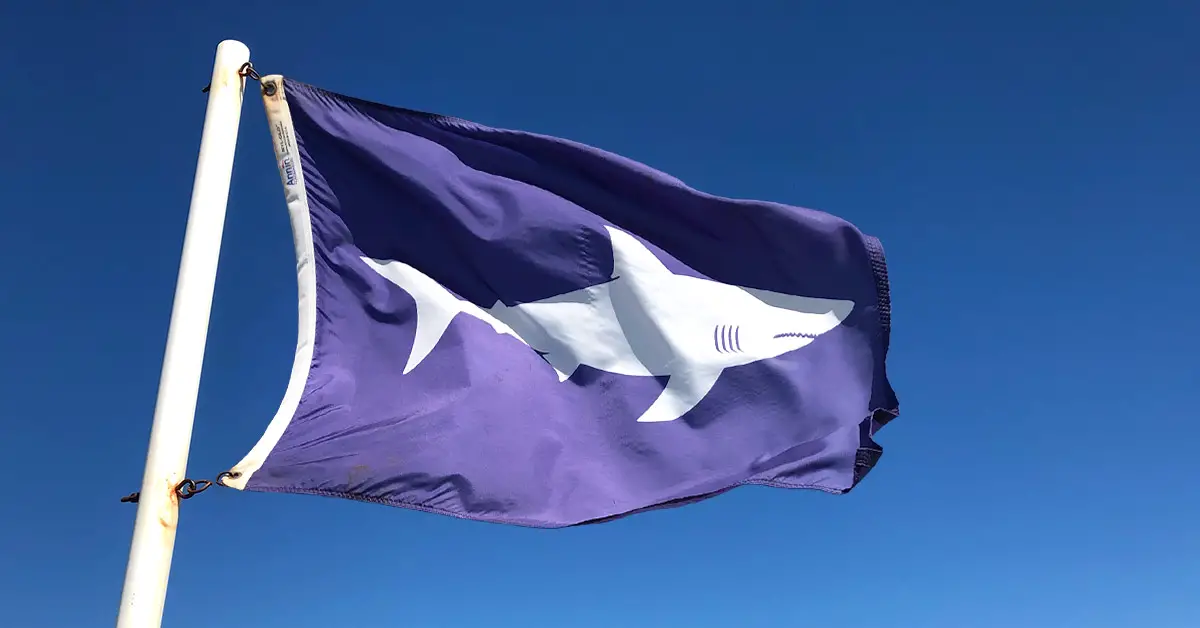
(646, 321)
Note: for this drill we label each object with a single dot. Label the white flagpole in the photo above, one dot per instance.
(171, 433)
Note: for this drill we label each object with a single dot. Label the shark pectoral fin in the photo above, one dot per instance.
(682, 393)
(631, 258)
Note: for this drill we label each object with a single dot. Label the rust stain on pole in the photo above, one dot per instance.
(168, 518)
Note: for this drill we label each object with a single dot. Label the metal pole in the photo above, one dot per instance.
(171, 434)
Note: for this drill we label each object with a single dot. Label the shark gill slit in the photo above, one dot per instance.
(737, 338)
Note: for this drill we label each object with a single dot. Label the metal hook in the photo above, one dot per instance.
(246, 71)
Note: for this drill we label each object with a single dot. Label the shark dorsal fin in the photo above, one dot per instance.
(631, 258)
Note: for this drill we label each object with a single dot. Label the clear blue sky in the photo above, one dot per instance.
(1031, 167)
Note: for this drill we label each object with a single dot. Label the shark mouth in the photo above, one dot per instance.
(728, 338)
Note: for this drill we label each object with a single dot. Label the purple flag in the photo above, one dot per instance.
(521, 329)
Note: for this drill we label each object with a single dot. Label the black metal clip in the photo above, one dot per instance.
(246, 71)
(186, 489)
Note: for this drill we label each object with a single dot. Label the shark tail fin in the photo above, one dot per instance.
(436, 306)
(564, 365)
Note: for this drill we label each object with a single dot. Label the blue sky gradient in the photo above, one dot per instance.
(1029, 165)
